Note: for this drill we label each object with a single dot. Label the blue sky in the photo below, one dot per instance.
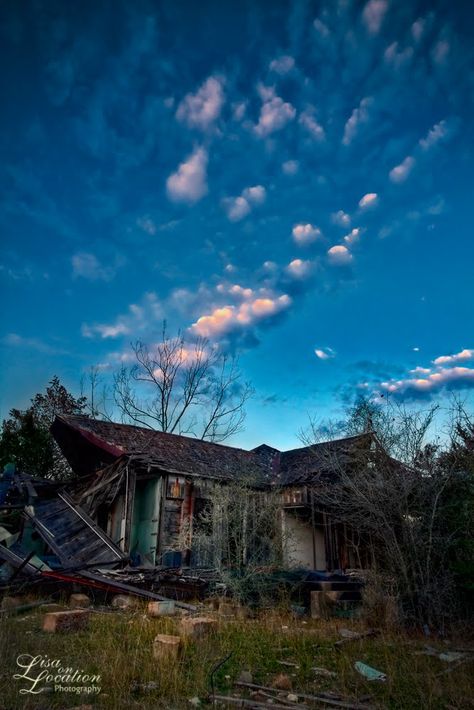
(292, 180)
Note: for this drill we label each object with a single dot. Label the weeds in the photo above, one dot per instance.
(118, 646)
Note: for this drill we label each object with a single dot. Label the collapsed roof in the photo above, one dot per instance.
(90, 444)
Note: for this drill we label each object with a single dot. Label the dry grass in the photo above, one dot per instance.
(118, 646)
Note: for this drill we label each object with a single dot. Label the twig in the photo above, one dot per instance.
(316, 698)
(244, 703)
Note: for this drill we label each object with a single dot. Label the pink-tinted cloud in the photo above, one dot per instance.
(341, 218)
(189, 183)
(239, 207)
(300, 268)
(442, 378)
(274, 114)
(308, 121)
(436, 134)
(305, 234)
(324, 353)
(228, 318)
(373, 14)
(359, 116)
(400, 172)
(339, 255)
(282, 65)
(368, 200)
(462, 356)
(201, 109)
(353, 236)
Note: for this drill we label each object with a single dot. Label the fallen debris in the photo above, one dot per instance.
(369, 672)
(161, 608)
(319, 697)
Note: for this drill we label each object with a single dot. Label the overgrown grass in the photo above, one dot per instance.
(118, 646)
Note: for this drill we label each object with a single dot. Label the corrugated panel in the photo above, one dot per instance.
(71, 534)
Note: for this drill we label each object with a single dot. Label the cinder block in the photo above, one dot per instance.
(198, 626)
(66, 620)
(79, 601)
(161, 608)
(166, 647)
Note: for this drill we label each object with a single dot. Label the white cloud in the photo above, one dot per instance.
(444, 377)
(373, 14)
(256, 195)
(305, 234)
(225, 319)
(201, 109)
(189, 182)
(236, 208)
(359, 116)
(436, 134)
(282, 65)
(321, 28)
(368, 200)
(290, 167)
(341, 218)
(87, 266)
(462, 356)
(238, 110)
(417, 29)
(440, 52)
(300, 268)
(353, 236)
(274, 114)
(339, 255)
(308, 122)
(324, 353)
(138, 318)
(400, 172)
(239, 207)
(398, 57)
(19, 341)
(147, 225)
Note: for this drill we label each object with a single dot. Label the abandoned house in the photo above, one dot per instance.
(142, 486)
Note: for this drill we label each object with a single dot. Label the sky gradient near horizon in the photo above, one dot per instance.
(292, 180)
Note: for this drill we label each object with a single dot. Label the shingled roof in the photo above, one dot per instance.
(89, 444)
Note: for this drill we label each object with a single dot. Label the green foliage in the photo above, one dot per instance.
(25, 438)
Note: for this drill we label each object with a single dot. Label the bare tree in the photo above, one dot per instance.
(183, 387)
(96, 394)
(391, 492)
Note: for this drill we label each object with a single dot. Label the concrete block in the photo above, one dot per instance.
(79, 601)
(198, 626)
(166, 647)
(66, 620)
(11, 602)
(321, 605)
(162, 608)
